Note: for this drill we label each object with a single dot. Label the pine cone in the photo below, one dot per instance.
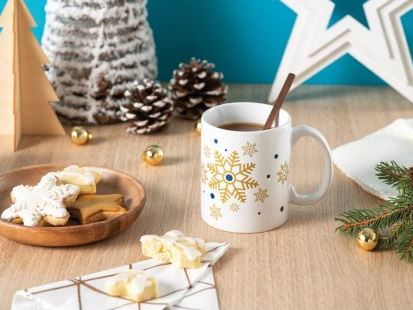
(196, 87)
(149, 107)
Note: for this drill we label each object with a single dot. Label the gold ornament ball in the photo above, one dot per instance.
(80, 135)
(153, 155)
(367, 239)
(198, 126)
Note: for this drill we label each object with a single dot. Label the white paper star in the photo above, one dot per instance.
(382, 48)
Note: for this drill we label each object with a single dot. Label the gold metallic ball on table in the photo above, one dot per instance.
(153, 155)
(198, 126)
(80, 135)
(367, 239)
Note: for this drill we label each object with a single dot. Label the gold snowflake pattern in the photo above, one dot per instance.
(207, 151)
(230, 177)
(249, 149)
(234, 207)
(283, 173)
(215, 212)
(204, 175)
(261, 195)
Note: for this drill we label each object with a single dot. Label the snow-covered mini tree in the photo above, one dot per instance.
(97, 48)
(25, 92)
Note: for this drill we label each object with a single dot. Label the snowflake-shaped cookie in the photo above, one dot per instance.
(44, 201)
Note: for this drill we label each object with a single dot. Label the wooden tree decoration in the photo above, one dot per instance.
(25, 92)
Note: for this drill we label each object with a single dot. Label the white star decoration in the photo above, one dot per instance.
(313, 45)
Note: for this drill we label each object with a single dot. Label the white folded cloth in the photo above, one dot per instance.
(183, 288)
(358, 159)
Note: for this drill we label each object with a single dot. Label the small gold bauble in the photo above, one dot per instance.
(367, 239)
(153, 155)
(198, 126)
(80, 135)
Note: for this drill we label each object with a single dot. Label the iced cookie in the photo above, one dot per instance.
(42, 203)
(133, 284)
(174, 247)
(95, 208)
(44, 221)
(84, 177)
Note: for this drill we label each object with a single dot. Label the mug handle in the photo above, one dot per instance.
(309, 198)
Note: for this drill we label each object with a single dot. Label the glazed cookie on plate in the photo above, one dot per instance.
(84, 177)
(41, 204)
(95, 208)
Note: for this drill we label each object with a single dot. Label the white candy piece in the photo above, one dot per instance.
(133, 284)
(174, 247)
(32, 203)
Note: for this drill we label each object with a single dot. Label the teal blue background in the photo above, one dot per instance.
(244, 38)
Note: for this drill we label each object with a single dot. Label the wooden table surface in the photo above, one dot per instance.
(303, 264)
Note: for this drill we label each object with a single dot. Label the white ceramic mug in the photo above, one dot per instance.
(245, 184)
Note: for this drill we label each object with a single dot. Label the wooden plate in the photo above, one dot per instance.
(112, 182)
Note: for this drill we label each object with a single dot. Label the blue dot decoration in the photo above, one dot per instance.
(212, 196)
(276, 156)
(229, 177)
(226, 150)
(282, 209)
(215, 141)
(268, 176)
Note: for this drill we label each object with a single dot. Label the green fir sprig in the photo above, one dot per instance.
(392, 219)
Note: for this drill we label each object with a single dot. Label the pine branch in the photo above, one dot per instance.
(395, 175)
(389, 241)
(377, 218)
(394, 217)
(404, 199)
(404, 243)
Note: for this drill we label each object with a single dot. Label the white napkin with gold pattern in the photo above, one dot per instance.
(183, 288)
(358, 159)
